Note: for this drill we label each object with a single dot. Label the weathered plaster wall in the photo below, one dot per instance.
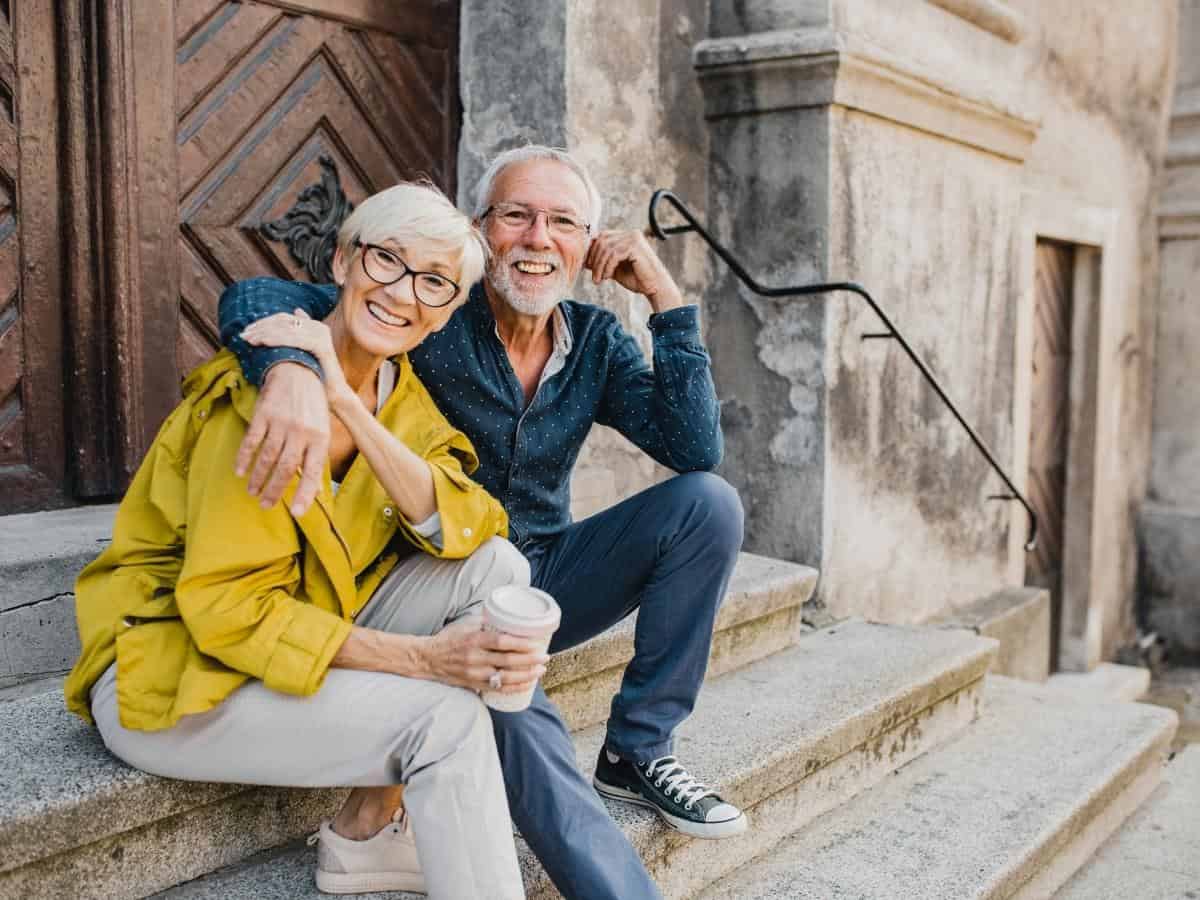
(770, 204)
(1176, 454)
(930, 224)
(633, 116)
(612, 82)
(1170, 522)
(512, 81)
(928, 114)
(1176, 471)
(1102, 74)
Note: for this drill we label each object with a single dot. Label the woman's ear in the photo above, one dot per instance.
(341, 266)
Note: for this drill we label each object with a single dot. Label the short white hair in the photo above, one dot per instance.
(483, 188)
(412, 213)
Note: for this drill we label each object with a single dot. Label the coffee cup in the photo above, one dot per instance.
(523, 612)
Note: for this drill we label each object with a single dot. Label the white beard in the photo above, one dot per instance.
(501, 279)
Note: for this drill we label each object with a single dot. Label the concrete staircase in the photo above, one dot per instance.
(1156, 855)
(804, 728)
(1012, 808)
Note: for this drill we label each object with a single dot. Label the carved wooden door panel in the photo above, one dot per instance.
(1050, 418)
(251, 127)
(32, 455)
(280, 108)
(153, 151)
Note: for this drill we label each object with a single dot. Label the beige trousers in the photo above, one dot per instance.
(368, 729)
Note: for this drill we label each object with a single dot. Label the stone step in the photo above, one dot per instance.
(1010, 809)
(73, 809)
(1156, 854)
(40, 555)
(1108, 681)
(759, 616)
(1017, 617)
(787, 738)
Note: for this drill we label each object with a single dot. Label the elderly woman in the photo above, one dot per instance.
(223, 641)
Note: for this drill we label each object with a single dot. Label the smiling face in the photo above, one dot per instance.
(385, 320)
(531, 268)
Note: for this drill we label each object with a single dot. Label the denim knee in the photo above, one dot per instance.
(724, 521)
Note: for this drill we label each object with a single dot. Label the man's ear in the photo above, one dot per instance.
(341, 266)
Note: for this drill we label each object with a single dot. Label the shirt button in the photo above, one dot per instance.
(467, 532)
(202, 413)
(387, 512)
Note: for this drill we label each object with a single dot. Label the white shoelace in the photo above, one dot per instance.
(667, 771)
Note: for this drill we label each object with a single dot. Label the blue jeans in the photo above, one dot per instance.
(669, 551)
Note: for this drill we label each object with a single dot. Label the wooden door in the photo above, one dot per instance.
(289, 114)
(1050, 417)
(32, 470)
(203, 141)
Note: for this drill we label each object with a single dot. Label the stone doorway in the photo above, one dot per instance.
(1064, 423)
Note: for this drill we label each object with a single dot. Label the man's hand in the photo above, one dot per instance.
(463, 655)
(289, 432)
(628, 259)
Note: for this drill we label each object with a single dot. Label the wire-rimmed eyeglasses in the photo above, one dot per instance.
(519, 217)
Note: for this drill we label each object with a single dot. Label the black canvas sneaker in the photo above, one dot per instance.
(666, 787)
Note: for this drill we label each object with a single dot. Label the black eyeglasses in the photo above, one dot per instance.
(385, 267)
(519, 217)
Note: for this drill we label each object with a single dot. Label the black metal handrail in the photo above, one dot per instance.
(662, 233)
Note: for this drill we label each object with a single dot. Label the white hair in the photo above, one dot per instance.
(483, 188)
(411, 213)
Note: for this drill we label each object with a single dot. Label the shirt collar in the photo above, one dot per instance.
(563, 340)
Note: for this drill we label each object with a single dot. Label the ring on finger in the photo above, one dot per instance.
(496, 681)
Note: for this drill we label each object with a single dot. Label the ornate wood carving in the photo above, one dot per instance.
(309, 229)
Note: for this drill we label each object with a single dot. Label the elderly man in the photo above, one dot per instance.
(525, 374)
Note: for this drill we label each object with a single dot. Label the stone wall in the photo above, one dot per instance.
(560, 73)
(921, 148)
(1170, 522)
(1104, 72)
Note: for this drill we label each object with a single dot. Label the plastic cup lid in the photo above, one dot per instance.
(523, 605)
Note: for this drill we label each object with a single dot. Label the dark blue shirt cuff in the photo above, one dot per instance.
(679, 325)
(258, 361)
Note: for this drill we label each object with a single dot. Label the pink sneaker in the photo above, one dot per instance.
(385, 862)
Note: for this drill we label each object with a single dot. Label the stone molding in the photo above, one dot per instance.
(1179, 209)
(1177, 222)
(1183, 145)
(823, 67)
(991, 15)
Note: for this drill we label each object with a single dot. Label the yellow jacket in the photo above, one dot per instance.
(201, 589)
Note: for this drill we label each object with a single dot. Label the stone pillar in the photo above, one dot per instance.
(877, 142)
(1169, 524)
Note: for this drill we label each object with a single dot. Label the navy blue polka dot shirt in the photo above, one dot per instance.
(527, 452)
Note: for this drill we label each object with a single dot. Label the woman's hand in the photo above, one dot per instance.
(463, 655)
(299, 331)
